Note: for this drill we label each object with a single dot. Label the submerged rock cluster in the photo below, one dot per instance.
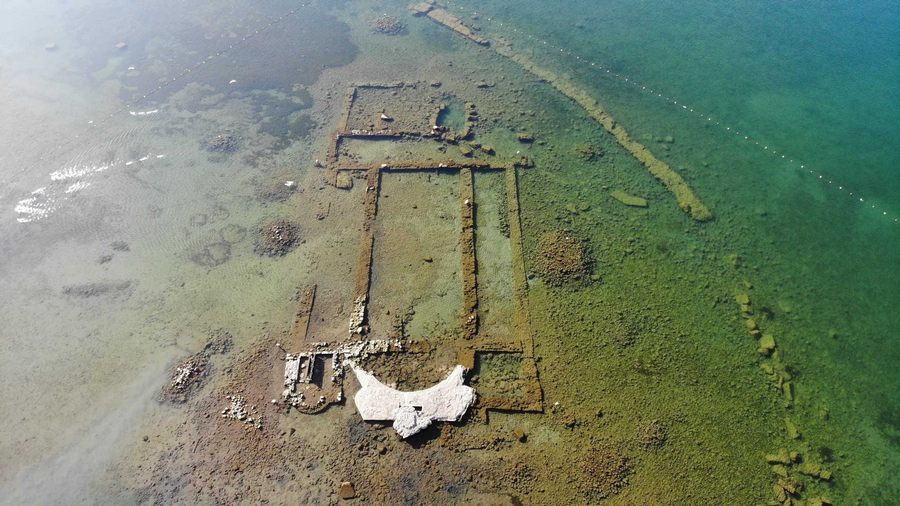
(222, 143)
(277, 237)
(605, 471)
(187, 376)
(653, 435)
(562, 258)
(387, 25)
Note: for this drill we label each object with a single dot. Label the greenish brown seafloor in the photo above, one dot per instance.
(657, 337)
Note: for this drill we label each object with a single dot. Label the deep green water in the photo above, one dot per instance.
(816, 82)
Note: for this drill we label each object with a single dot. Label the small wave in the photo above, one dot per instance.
(43, 201)
(143, 113)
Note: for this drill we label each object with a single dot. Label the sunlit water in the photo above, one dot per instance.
(103, 145)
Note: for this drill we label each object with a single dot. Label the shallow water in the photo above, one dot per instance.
(135, 181)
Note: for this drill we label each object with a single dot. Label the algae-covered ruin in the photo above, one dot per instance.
(410, 112)
(439, 252)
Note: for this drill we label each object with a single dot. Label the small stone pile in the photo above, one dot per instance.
(277, 237)
(589, 152)
(222, 143)
(238, 411)
(185, 372)
(387, 25)
(562, 258)
(187, 377)
(653, 435)
(605, 471)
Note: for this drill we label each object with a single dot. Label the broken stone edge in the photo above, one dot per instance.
(413, 411)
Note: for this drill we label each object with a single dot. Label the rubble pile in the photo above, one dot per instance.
(562, 258)
(387, 25)
(606, 471)
(653, 435)
(222, 143)
(237, 410)
(277, 237)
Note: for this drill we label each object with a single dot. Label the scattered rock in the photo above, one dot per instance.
(222, 143)
(187, 376)
(629, 200)
(347, 490)
(387, 25)
(277, 237)
(524, 138)
(238, 410)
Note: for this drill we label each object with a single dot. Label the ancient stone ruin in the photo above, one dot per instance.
(314, 369)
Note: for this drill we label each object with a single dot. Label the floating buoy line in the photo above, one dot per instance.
(705, 118)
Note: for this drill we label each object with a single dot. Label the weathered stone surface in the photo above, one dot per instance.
(413, 411)
(347, 490)
(766, 344)
(629, 200)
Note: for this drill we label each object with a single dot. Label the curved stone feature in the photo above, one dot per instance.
(413, 411)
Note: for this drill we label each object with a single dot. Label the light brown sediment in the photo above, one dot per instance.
(301, 319)
(467, 247)
(520, 282)
(367, 242)
(345, 111)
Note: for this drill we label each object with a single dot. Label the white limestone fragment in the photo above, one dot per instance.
(413, 411)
